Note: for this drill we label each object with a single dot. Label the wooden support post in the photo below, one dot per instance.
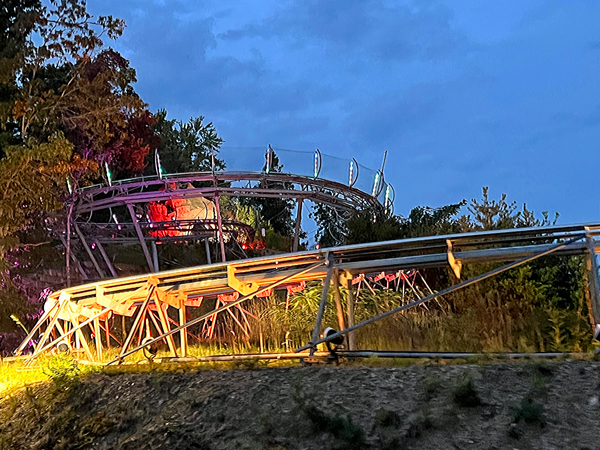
(207, 249)
(317, 329)
(220, 230)
(89, 251)
(351, 341)
(106, 259)
(338, 301)
(183, 341)
(298, 224)
(165, 325)
(140, 236)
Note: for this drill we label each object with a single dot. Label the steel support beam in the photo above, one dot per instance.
(89, 251)
(351, 341)
(220, 225)
(106, 259)
(593, 285)
(298, 224)
(140, 235)
(207, 250)
(317, 329)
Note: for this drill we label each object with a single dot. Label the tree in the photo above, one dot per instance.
(333, 228)
(17, 19)
(486, 214)
(186, 147)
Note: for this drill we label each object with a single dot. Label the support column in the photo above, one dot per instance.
(207, 249)
(336, 298)
(89, 251)
(155, 256)
(315, 333)
(220, 225)
(351, 342)
(183, 333)
(593, 285)
(98, 339)
(165, 325)
(68, 245)
(140, 235)
(106, 259)
(298, 223)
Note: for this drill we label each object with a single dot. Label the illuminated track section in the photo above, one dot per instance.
(77, 317)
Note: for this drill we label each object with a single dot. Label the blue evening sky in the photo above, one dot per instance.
(462, 94)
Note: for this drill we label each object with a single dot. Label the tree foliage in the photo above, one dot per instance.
(186, 146)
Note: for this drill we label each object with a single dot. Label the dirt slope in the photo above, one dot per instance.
(422, 407)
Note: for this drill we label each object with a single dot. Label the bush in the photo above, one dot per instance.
(465, 394)
(529, 411)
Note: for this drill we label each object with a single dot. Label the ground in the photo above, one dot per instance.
(509, 405)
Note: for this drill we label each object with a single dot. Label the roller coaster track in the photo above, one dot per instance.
(72, 309)
(207, 184)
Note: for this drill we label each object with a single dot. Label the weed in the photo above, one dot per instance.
(62, 370)
(538, 385)
(432, 384)
(528, 411)
(419, 423)
(340, 427)
(385, 418)
(465, 394)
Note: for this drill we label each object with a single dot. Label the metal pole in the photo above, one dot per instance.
(66, 243)
(592, 268)
(351, 342)
(89, 251)
(338, 301)
(68, 249)
(98, 339)
(106, 259)
(155, 256)
(445, 291)
(298, 223)
(315, 333)
(220, 225)
(207, 249)
(140, 235)
(183, 341)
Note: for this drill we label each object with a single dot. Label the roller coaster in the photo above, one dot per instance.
(78, 318)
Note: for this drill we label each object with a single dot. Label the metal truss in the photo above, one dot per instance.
(148, 299)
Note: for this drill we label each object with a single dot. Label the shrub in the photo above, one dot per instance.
(465, 394)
